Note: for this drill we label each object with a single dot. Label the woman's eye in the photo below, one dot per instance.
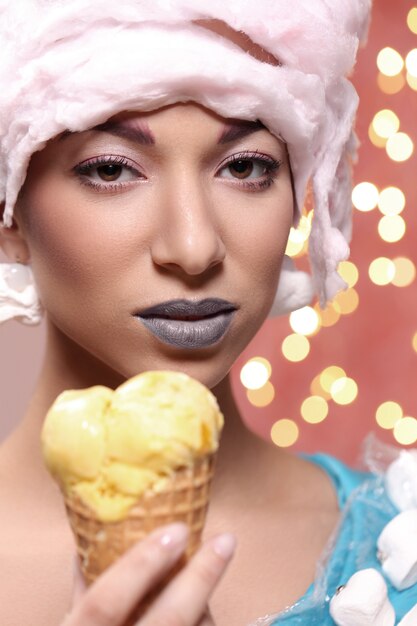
(106, 174)
(247, 169)
(110, 172)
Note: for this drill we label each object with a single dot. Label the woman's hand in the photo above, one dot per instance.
(118, 593)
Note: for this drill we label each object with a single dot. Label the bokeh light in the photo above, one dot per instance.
(349, 272)
(389, 61)
(261, 397)
(386, 123)
(344, 390)
(329, 375)
(304, 321)
(414, 342)
(390, 84)
(411, 62)
(411, 81)
(365, 196)
(347, 301)
(295, 347)
(284, 433)
(254, 374)
(391, 228)
(405, 272)
(381, 271)
(314, 409)
(405, 431)
(387, 414)
(400, 147)
(391, 201)
(412, 20)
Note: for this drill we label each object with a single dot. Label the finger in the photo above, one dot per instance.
(113, 596)
(184, 601)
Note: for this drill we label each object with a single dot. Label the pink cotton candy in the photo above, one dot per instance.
(72, 64)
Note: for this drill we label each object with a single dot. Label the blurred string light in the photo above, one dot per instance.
(391, 228)
(389, 62)
(314, 409)
(255, 373)
(405, 431)
(298, 237)
(261, 397)
(391, 201)
(284, 433)
(400, 271)
(385, 124)
(412, 20)
(387, 414)
(365, 196)
(411, 62)
(305, 321)
(344, 390)
(295, 347)
(400, 147)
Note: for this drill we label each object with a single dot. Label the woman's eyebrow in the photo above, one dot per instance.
(239, 129)
(139, 133)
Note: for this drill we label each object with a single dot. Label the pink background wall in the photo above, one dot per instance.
(373, 344)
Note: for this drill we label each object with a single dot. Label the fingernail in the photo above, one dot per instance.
(173, 535)
(224, 545)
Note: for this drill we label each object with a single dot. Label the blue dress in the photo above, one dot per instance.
(365, 509)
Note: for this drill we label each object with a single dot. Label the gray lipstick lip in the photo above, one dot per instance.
(210, 320)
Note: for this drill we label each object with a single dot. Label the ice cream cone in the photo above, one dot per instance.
(184, 497)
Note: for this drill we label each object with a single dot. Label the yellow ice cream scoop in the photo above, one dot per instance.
(110, 447)
(133, 459)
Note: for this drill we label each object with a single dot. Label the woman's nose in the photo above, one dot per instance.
(188, 235)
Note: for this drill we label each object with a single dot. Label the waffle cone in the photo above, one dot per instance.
(184, 498)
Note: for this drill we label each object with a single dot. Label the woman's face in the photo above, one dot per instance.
(156, 239)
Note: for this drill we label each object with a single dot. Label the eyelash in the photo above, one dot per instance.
(84, 170)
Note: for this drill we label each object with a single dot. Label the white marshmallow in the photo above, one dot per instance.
(401, 480)
(363, 601)
(397, 549)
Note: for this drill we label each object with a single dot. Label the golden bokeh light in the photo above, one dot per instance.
(412, 81)
(305, 321)
(412, 20)
(316, 388)
(381, 271)
(386, 123)
(328, 316)
(414, 342)
(391, 228)
(261, 397)
(405, 272)
(399, 147)
(314, 409)
(411, 62)
(376, 140)
(295, 243)
(295, 347)
(349, 272)
(388, 414)
(391, 201)
(390, 84)
(389, 61)
(347, 301)
(365, 196)
(344, 390)
(284, 433)
(254, 374)
(298, 237)
(329, 375)
(405, 431)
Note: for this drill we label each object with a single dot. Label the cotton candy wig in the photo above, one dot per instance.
(72, 64)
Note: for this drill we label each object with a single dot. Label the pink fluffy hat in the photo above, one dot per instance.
(72, 64)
